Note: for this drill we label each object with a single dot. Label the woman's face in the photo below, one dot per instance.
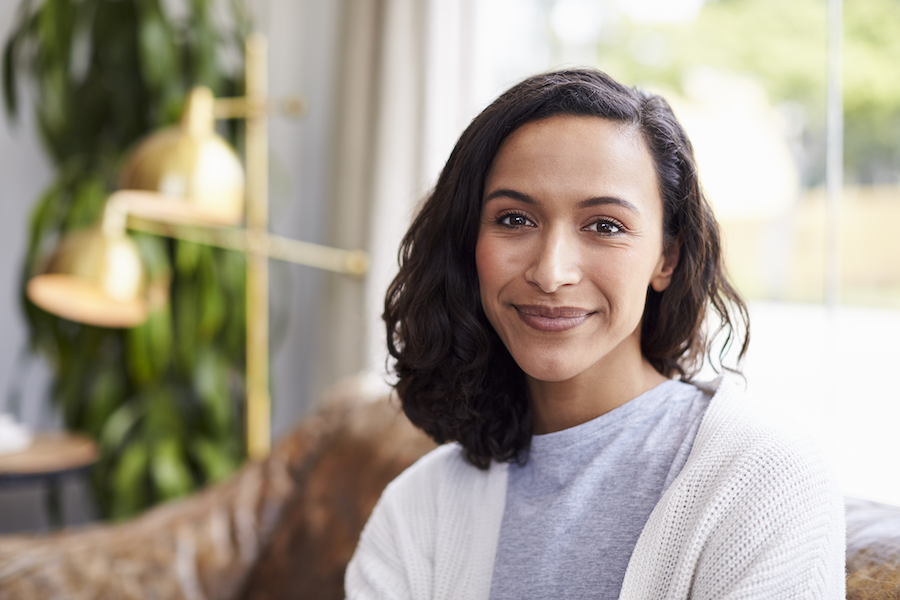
(569, 240)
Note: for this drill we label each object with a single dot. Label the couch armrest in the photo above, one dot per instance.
(873, 550)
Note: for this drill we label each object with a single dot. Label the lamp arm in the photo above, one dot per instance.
(241, 108)
(346, 262)
(115, 218)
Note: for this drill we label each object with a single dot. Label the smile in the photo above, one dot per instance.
(552, 319)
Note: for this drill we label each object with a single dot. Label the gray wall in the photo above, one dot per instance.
(303, 45)
(23, 174)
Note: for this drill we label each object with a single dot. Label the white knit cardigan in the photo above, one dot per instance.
(754, 514)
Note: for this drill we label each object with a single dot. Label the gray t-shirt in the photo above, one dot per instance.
(575, 510)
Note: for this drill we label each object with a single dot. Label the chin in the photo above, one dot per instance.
(549, 370)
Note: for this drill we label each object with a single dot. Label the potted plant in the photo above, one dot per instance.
(163, 400)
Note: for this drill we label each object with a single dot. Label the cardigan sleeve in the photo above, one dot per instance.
(376, 571)
(755, 514)
(776, 531)
(393, 560)
(433, 533)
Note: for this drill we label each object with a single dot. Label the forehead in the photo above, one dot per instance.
(576, 156)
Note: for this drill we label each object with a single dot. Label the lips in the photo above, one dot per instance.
(552, 318)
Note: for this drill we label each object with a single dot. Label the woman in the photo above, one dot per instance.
(547, 319)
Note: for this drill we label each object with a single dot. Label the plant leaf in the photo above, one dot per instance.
(185, 318)
(119, 425)
(88, 200)
(129, 488)
(170, 475)
(10, 96)
(210, 297)
(165, 415)
(216, 461)
(211, 386)
(106, 394)
(156, 46)
(187, 255)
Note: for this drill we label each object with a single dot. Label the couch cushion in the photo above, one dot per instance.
(873, 550)
(335, 492)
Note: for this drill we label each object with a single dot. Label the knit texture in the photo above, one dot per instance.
(754, 514)
(433, 533)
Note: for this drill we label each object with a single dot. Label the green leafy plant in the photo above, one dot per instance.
(163, 400)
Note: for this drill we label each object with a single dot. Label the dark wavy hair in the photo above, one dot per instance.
(455, 378)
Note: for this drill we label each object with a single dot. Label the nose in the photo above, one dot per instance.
(555, 263)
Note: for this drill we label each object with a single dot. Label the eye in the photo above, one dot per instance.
(605, 227)
(514, 220)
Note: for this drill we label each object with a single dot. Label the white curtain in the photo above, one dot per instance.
(403, 100)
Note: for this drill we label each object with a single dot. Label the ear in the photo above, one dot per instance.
(662, 276)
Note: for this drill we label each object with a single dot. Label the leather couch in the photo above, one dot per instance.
(286, 527)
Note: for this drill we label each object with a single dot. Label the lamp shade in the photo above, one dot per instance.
(94, 278)
(185, 174)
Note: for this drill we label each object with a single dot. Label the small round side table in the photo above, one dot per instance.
(49, 458)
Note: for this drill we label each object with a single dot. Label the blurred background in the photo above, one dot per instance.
(389, 85)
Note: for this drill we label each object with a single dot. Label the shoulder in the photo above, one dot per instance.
(756, 510)
(440, 485)
(735, 438)
(747, 460)
(434, 527)
(442, 471)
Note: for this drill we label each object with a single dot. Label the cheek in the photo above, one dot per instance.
(623, 279)
(488, 265)
(495, 270)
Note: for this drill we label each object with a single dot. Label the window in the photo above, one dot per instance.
(749, 80)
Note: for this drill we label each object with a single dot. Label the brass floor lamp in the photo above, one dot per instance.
(186, 183)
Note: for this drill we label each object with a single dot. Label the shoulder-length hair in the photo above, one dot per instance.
(455, 378)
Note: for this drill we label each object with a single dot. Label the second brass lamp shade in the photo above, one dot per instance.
(185, 174)
(95, 278)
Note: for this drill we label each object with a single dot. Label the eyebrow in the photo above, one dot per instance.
(598, 201)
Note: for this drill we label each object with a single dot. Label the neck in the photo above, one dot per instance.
(559, 405)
